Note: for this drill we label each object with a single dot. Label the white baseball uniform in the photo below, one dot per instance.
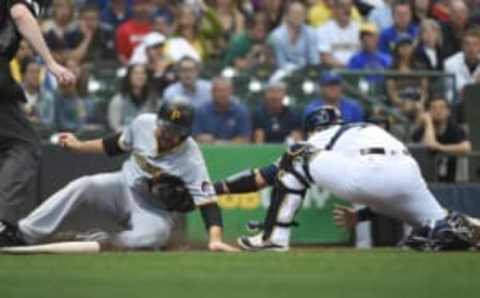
(124, 195)
(353, 169)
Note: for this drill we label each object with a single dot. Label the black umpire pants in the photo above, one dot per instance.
(19, 164)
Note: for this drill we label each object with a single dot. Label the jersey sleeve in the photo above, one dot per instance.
(197, 179)
(126, 138)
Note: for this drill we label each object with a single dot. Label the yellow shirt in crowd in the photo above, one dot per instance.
(320, 13)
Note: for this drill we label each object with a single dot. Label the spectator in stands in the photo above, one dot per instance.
(402, 25)
(74, 110)
(91, 42)
(322, 12)
(273, 121)
(189, 86)
(130, 33)
(249, 49)
(275, 10)
(57, 28)
(294, 43)
(456, 26)
(152, 53)
(232, 21)
(429, 51)
(40, 105)
(408, 94)
(338, 39)
(439, 133)
(224, 119)
(24, 52)
(165, 9)
(465, 65)
(369, 57)
(382, 15)
(421, 10)
(135, 97)
(332, 94)
(115, 13)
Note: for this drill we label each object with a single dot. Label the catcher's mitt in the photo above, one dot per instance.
(172, 192)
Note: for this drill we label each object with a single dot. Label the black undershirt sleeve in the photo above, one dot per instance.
(111, 146)
(211, 215)
(365, 214)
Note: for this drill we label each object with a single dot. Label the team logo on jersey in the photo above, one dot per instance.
(175, 114)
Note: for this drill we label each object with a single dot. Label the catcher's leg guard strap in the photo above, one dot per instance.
(286, 200)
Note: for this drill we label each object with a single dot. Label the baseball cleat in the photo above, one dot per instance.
(10, 235)
(256, 243)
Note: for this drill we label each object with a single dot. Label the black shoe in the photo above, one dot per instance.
(10, 235)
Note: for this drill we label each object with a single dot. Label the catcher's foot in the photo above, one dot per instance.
(10, 235)
(256, 243)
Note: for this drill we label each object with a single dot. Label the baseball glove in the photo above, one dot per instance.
(172, 192)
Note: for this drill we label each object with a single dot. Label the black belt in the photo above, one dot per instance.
(383, 151)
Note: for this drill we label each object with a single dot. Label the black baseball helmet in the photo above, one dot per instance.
(322, 117)
(177, 116)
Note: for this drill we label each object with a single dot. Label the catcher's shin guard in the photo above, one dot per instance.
(286, 199)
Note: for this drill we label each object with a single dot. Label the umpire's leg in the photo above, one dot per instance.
(19, 170)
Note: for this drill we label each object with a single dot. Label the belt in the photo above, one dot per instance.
(383, 151)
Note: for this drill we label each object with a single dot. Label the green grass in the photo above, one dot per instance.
(325, 273)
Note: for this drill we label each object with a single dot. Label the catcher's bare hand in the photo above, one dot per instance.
(345, 217)
(68, 141)
(221, 246)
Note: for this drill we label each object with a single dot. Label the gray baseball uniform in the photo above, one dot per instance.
(124, 195)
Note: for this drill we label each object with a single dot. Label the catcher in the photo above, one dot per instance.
(165, 173)
(381, 175)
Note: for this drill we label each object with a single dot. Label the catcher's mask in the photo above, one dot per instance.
(322, 118)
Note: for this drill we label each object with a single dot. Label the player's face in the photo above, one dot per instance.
(167, 137)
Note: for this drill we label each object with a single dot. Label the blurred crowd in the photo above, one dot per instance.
(161, 48)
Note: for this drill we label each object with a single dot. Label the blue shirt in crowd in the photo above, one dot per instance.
(389, 36)
(370, 61)
(351, 110)
(303, 52)
(277, 127)
(235, 122)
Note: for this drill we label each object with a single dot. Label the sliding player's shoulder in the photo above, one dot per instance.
(143, 120)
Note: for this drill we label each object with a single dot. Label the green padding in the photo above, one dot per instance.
(315, 218)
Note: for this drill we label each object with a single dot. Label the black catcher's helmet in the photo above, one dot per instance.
(322, 117)
(176, 116)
